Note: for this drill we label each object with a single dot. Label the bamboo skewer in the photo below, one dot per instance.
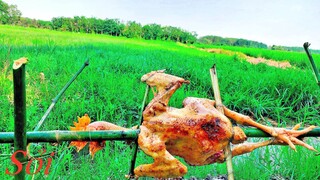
(61, 136)
(219, 106)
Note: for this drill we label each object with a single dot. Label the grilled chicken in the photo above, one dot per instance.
(198, 132)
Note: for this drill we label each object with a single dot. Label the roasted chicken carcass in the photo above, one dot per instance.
(198, 132)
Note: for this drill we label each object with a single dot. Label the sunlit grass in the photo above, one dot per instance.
(298, 59)
(110, 89)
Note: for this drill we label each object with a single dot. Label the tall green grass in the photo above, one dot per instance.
(110, 89)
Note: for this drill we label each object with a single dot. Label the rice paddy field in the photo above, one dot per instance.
(297, 59)
(109, 89)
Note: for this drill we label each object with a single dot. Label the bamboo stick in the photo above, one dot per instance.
(55, 100)
(254, 132)
(60, 136)
(135, 147)
(219, 106)
(20, 137)
(314, 67)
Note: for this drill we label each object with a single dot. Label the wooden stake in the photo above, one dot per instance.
(219, 106)
(20, 133)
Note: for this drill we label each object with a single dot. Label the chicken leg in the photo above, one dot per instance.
(281, 135)
(164, 165)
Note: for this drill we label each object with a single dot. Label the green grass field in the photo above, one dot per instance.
(110, 89)
(297, 59)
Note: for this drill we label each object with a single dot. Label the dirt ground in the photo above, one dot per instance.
(253, 60)
(269, 62)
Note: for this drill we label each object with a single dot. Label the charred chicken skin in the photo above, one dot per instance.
(198, 132)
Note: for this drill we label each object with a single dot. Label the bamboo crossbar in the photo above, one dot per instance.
(60, 136)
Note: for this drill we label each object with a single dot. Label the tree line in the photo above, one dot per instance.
(295, 49)
(9, 14)
(220, 41)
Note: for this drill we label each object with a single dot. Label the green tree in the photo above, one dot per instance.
(99, 26)
(4, 12)
(9, 14)
(112, 27)
(85, 26)
(156, 31)
(27, 22)
(152, 31)
(81, 24)
(275, 47)
(56, 23)
(166, 34)
(76, 21)
(132, 30)
(109, 25)
(14, 14)
(188, 38)
(217, 40)
(147, 32)
(175, 33)
(44, 24)
(67, 24)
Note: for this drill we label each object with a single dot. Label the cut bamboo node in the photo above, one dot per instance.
(19, 62)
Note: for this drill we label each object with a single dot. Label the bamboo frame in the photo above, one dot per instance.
(20, 137)
(61, 136)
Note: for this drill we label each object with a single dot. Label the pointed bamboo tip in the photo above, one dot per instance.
(87, 62)
(306, 44)
(213, 69)
(19, 62)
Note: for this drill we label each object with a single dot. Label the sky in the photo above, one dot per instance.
(273, 22)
